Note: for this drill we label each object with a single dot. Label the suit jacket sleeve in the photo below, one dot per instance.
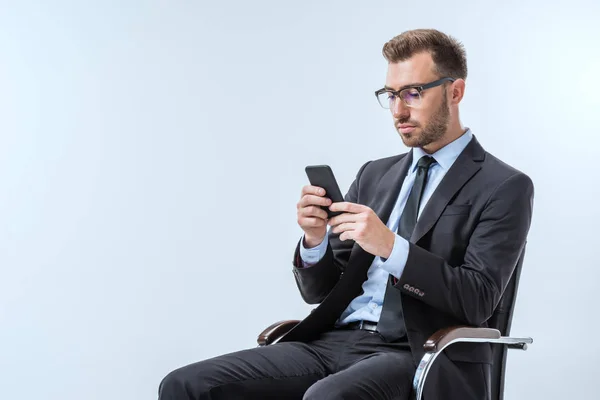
(316, 281)
(471, 291)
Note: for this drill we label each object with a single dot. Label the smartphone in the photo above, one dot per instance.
(322, 176)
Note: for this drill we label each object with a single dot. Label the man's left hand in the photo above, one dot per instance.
(360, 223)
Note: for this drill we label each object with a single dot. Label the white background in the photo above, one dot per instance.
(152, 154)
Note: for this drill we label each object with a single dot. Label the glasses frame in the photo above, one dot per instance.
(419, 88)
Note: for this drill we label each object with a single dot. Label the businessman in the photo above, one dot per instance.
(427, 239)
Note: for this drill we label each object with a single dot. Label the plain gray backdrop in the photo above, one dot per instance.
(152, 154)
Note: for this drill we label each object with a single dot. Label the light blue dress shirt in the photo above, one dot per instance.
(368, 305)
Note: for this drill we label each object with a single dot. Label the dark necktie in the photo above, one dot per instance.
(391, 321)
(408, 220)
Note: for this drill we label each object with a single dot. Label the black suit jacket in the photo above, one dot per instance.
(462, 254)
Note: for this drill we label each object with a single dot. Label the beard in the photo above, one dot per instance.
(432, 132)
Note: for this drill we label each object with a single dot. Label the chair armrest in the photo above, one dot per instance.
(275, 331)
(443, 337)
(448, 336)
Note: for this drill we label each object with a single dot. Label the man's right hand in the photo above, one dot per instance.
(311, 218)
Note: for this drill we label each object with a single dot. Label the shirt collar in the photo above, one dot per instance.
(445, 156)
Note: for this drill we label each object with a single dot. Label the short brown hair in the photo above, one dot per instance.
(448, 54)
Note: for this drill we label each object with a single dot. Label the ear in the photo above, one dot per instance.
(457, 91)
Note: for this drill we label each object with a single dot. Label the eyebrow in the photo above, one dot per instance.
(403, 87)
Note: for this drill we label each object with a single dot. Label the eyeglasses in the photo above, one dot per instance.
(411, 96)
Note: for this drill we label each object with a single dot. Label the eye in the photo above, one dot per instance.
(414, 93)
(410, 96)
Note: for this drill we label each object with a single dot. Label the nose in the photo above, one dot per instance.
(400, 110)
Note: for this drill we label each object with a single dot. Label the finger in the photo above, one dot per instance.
(314, 190)
(339, 219)
(347, 235)
(313, 211)
(312, 200)
(345, 227)
(311, 222)
(348, 207)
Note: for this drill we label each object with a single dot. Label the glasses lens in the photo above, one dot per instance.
(411, 97)
(386, 99)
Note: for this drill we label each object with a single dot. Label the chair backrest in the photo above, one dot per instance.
(502, 320)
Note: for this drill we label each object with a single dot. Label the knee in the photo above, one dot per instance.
(178, 384)
(325, 389)
(172, 386)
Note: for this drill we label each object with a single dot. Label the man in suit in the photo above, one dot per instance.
(426, 240)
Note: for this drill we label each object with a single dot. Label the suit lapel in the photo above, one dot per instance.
(387, 190)
(465, 166)
(389, 187)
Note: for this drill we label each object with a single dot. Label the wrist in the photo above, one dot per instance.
(389, 245)
(310, 242)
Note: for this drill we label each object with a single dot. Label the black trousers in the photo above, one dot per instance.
(341, 364)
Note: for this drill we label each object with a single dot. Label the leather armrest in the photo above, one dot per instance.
(444, 336)
(275, 331)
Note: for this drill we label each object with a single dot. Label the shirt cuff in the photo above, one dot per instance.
(315, 254)
(395, 264)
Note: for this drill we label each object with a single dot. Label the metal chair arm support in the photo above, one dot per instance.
(447, 337)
